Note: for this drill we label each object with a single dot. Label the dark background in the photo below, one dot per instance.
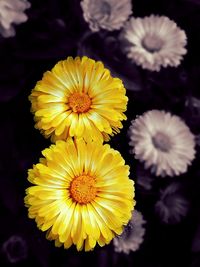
(56, 29)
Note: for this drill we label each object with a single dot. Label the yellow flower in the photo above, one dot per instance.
(82, 194)
(79, 98)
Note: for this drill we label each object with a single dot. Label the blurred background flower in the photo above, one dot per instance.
(154, 41)
(172, 206)
(133, 235)
(12, 12)
(106, 14)
(163, 142)
(15, 249)
(192, 112)
(144, 178)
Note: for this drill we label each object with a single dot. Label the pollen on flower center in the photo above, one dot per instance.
(152, 43)
(79, 102)
(162, 142)
(83, 189)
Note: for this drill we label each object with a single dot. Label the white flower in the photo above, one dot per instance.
(154, 41)
(172, 206)
(12, 11)
(163, 141)
(106, 14)
(133, 234)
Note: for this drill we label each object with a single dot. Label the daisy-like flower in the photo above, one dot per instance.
(106, 14)
(12, 12)
(163, 141)
(82, 194)
(79, 98)
(172, 205)
(133, 235)
(154, 41)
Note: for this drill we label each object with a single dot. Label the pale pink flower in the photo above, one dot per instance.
(172, 206)
(12, 12)
(133, 235)
(106, 14)
(163, 142)
(154, 41)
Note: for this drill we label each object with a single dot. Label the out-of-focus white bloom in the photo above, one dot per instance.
(106, 14)
(12, 12)
(172, 206)
(163, 141)
(193, 101)
(133, 235)
(15, 249)
(154, 41)
(193, 106)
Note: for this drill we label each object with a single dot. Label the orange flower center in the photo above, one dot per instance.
(83, 189)
(79, 102)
